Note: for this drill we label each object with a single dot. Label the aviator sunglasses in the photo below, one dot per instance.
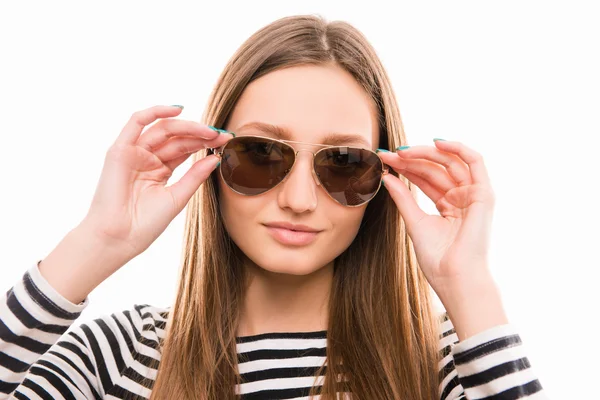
(252, 165)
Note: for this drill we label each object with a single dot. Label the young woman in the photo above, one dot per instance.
(307, 265)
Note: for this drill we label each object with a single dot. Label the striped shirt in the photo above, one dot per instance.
(44, 356)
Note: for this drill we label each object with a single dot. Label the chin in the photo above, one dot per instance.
(291, 271)
(284, 264)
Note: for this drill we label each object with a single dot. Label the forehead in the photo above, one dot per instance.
(310, 104)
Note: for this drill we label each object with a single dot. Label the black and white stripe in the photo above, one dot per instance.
(43, 355)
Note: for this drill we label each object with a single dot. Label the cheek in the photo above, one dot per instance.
(227, 204)
(239, 212)
(346, 222)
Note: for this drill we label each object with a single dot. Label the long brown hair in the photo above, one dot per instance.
(382, 325)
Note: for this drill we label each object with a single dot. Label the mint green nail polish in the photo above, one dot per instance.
(220, 130)
(436, 139)
(382, 183)
(216, 129)
(177, 105)
(219, 163)
(402, 147)
(384, 150)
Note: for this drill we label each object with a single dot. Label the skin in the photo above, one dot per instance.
(289, 285)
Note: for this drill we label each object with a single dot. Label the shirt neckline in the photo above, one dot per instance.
(282, 335)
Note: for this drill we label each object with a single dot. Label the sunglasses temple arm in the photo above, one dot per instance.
(213, 150)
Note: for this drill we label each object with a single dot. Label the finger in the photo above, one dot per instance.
(189, 183)
(175, 147)
(473, 159)
(216, 143)
(427, 188)
(457, 169)
(139, 119)
(165, 129)
(406, 203)
(173, 164)
(433, 172)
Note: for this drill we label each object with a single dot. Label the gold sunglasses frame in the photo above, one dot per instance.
(218, 151)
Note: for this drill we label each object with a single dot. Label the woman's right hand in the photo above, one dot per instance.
(132, 206)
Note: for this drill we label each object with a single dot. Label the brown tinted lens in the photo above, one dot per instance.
(252, 165)
(351, 176)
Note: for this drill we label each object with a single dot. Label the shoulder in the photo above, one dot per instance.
(110, 353)
(126, 335)
(141, 324)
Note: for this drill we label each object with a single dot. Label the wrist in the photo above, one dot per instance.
(79, 263)
(452, 288)
(473, 305)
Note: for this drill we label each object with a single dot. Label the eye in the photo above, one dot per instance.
(340, 160)
(263, 153)
(341, 163)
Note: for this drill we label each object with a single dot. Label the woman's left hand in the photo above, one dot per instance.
(451, 248)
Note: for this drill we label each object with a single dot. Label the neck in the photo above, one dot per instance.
(276, 302)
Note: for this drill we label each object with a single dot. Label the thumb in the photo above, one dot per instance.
(189, 183)
(406, 203)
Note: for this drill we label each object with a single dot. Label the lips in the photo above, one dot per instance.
(290, 237)
(292, 227)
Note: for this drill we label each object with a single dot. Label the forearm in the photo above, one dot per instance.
(473, 305)
(79, 263)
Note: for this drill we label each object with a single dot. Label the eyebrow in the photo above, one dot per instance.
(332, 138)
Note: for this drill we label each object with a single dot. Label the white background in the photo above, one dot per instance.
(517, 81)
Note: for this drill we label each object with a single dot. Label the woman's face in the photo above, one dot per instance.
(310, 102)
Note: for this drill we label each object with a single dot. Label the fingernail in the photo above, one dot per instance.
(384, 150)
(217, 166)
(177, 105)
(220, 130)
(382, 183)
(436, 139)
(402, 147)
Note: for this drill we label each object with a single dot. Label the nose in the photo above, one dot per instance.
(299, 189)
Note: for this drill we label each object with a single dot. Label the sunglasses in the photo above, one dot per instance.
(252, 165)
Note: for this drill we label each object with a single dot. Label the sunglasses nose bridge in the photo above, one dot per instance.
(314, 173)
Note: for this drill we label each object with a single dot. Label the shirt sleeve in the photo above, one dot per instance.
(489, 365)
(33, 317)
